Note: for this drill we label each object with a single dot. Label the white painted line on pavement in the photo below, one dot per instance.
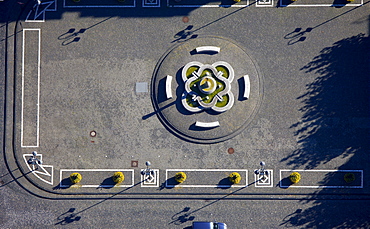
(38, 86)
(97, 6)
(147, 183)
(43, 172)
(96, 170)
(320, 186)
(207, 6)
(322, 5)
(264, 183)
(264, 3)
(207, 170)
(151, 3)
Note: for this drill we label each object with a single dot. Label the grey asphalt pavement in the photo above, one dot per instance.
(313, 114)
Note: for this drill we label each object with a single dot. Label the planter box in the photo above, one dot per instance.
(321, 179)
(98, 3)
(206, 178)
(97, 178)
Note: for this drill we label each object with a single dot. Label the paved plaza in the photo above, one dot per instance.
(97, 87)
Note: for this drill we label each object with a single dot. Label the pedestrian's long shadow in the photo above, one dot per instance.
(72, 35)
(189, 32)
(300, 35)
(70, 216)
(180, 218)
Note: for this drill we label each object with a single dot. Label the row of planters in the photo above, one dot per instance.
(235, 177)
(295, 177)
(180, 177)
(117, 177)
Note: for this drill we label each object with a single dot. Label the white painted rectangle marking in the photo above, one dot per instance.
(154, 183)
(208, 5)
(244, 175)
(264, 3)
(321, 5)
(320, 171)
(95, 185)
(151, 3)
(80, 5)
(264, 183)
(30, 111)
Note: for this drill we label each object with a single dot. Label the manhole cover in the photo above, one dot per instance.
(230, 150)
(93, 133)
(134, 163)
(185, 19)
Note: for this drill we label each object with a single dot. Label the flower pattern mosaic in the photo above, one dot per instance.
(207, 86)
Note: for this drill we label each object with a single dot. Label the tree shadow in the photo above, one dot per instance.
(335, 120)
(334, 125)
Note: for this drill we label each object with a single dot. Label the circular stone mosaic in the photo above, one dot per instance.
(206, 90)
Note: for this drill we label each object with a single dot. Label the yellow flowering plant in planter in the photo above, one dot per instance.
(235, 178)
(349, 177)
(180, 177)
(295, 177)
(75, 178)
(118, 177)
